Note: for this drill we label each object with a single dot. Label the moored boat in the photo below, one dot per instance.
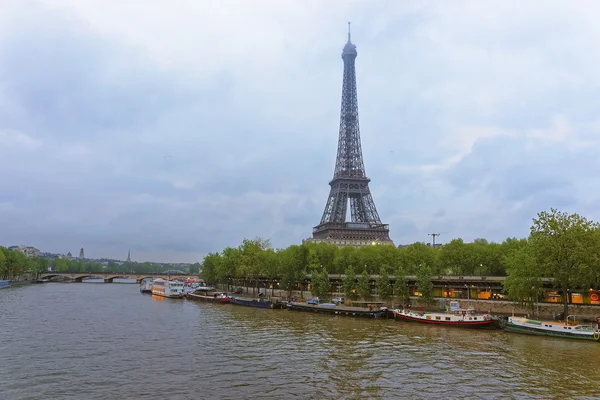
(208, 294)
(570, 328)
(4, 284)
(260, 303)
(164, 288)
(146, 285)
(332, 308)
(455, 317)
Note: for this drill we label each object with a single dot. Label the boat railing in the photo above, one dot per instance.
(573, 320)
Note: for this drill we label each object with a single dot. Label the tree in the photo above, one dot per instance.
(195, 268)
(384, 289)
(566, 247)
(61, 265)
(363, 287)
(290, 268)
(349, 283)
(39, 266)
(401, 286)
(424, 284)
(524, 283)
(319, 283)
(3, 265)
(418, 253)
(211, 266)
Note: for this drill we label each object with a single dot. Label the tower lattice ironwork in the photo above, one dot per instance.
(350, 183)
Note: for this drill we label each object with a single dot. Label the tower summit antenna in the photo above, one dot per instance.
(348, 31)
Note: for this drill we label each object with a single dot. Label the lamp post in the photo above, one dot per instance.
(537, 303)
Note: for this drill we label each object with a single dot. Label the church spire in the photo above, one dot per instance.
(129, 256)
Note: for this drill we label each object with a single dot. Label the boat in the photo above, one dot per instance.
(42, 280)
(146, 285)
(4, 284)
(206, 293)
(336, 309)
(164, 288)
(570, 328)
(260, 302)
(456, 316)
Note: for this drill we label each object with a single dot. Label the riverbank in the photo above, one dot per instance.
(21, 283)
(499, 307)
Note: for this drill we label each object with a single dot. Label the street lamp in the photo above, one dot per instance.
(537, 303)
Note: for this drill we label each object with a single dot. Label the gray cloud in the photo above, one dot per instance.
(192, 128)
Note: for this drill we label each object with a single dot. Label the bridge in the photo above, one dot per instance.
(108, 277)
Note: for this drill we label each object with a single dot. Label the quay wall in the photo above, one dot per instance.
(546, 310)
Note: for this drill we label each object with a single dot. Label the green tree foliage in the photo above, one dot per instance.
(3, 263)
(210, 268)
(567, 249)
(417, 254)
(384, 288)
(195, 268)
(401, 291)
(319, 283)
(424, 284)
(349, 283)
(524, 281)
(291, 267)
(363, 286)
(39, 266)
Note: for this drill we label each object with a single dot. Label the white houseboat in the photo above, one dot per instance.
(164, 288)
(146, 285)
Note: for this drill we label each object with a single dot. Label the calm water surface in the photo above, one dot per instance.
(108, 341)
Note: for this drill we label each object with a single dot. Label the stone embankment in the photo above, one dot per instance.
(546, 310)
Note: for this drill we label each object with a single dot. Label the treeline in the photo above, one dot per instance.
(562, 247)
(15, 264)
(127, 267)
(255, 258)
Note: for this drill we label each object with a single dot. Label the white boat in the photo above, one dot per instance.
(146, 285)
(568, 329)
(164, 288)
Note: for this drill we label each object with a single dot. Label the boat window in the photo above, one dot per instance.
(448, 318)
(438, 317)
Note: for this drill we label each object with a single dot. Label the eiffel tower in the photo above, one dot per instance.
(350, 182)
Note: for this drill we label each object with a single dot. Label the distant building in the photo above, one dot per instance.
(129, 256)
(81, 255)
(26, 250)
(69, 255)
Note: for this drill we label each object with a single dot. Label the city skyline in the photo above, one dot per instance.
(206, 125)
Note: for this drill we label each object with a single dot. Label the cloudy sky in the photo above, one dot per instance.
(176, 128)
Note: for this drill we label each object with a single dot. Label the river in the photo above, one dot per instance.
(108, 341)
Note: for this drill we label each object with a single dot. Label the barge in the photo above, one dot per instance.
(208, 294)
(570, 329)
(455, 317)
(331, 308)
(260, 303)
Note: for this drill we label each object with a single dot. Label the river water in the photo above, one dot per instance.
(108, 341)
